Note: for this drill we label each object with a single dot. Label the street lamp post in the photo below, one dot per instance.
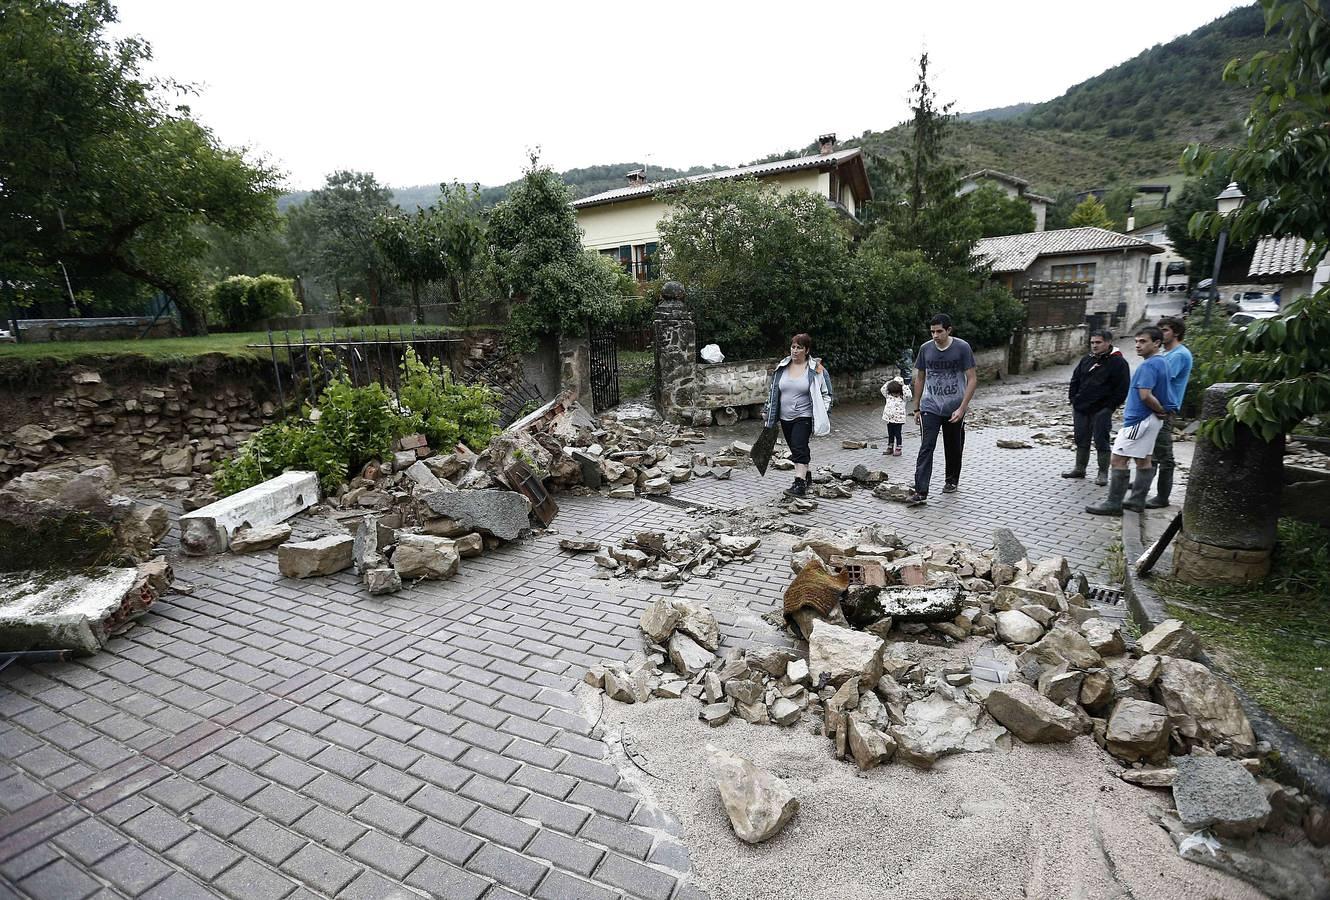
(1229, 201)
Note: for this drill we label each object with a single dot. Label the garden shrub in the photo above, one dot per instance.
(242, 300)
(358, 424)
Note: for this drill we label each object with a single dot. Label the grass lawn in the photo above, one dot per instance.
(1273, 638)
(171, 349)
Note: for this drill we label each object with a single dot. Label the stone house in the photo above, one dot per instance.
(1013, 187)
(1113, 266)
(1167, 261)
(624, 223)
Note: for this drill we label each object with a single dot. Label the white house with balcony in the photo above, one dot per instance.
(625, 222)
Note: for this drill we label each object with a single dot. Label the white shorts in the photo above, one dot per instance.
(1138, 441)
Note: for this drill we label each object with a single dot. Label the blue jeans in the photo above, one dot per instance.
(1093, 425)
(953, 444)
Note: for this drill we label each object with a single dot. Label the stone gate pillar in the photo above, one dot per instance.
(676, 355)
(575, 368)
(1233, 502)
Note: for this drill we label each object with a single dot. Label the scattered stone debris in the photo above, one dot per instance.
(1013, 444)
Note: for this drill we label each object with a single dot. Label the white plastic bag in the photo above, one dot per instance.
(711, 353)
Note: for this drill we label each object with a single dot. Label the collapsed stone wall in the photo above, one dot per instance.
(1052, 345)
(172, 421)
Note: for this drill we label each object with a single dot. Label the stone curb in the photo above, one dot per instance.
(1298, 762)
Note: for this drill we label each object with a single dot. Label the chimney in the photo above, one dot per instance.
(637, 177)
(826, 143)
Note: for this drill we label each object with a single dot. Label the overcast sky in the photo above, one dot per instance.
(420, 92)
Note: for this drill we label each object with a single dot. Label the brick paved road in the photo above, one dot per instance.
(274, 738)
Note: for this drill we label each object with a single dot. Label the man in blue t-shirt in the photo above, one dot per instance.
(1178, 358)
(1148, 403)
(945, 378)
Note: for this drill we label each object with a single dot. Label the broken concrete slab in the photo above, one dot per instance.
(758, 803)
(1217, 793)
(78, 611)
(208, 530)
(503, 514)
(937, 727)
(322, 556)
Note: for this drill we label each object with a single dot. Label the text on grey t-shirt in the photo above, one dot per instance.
(944, 375)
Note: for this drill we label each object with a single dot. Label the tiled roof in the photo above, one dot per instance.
(1279, 256)
(772, 168)
(1016, 252)
(995, 174)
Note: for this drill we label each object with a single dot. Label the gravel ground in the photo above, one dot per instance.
(1034, 822)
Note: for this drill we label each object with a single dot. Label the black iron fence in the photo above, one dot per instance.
(305, 363)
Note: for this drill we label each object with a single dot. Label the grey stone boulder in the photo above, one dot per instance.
(1213, 792)
(699, 623)
(1031, 716)
(1015, 627)
(469, 545)
(1007, 548)
(758, 803)
(868, 745)
(425, 556)
(252, 540)
(1204, 707)
(688, 656)
(1104, 637)
(772, 660)
(502, 514)
(382, 580)
(1062, 644)
(1171, 637)
(322, 556)
(425, 479)
(1137, 730)
(936, 727)
(843, 654)
(659, 619)
(784, 711)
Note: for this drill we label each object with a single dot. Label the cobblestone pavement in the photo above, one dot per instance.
(265, 737)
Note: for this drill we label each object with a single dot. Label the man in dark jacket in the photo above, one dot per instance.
(1098, 387)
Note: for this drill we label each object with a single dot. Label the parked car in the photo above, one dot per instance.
(1243, 319)
(1258, 303)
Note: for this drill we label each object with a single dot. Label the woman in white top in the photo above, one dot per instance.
(799, 400)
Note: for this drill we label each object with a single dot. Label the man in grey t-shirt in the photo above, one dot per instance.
(945, 379)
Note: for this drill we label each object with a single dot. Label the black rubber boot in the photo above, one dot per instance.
(808, 482)
(1117, 489)
(1103, 457)
(1163, 487)
(1082, 460)
(798, 489)
(1140, 487)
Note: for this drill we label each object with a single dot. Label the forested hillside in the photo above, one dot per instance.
(1128, 123)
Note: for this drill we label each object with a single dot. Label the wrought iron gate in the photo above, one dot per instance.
(604, 353)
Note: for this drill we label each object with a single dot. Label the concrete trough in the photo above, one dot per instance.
(208, 530)
(74, 611)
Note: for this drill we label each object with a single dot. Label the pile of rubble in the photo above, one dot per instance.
(680, 659)
(916, 653)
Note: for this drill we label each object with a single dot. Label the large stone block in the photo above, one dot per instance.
(208, 530)
(79, 611)
(322, 556)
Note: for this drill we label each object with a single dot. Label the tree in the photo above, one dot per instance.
(1287, 153)
(760, 264)
(413, 247)
(917, 206)
(1090, 212)
(462, 229)
(97, 170)
(538, 255)
(995, 213)
(335, 228)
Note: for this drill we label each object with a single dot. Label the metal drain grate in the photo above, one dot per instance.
(1105, 594)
